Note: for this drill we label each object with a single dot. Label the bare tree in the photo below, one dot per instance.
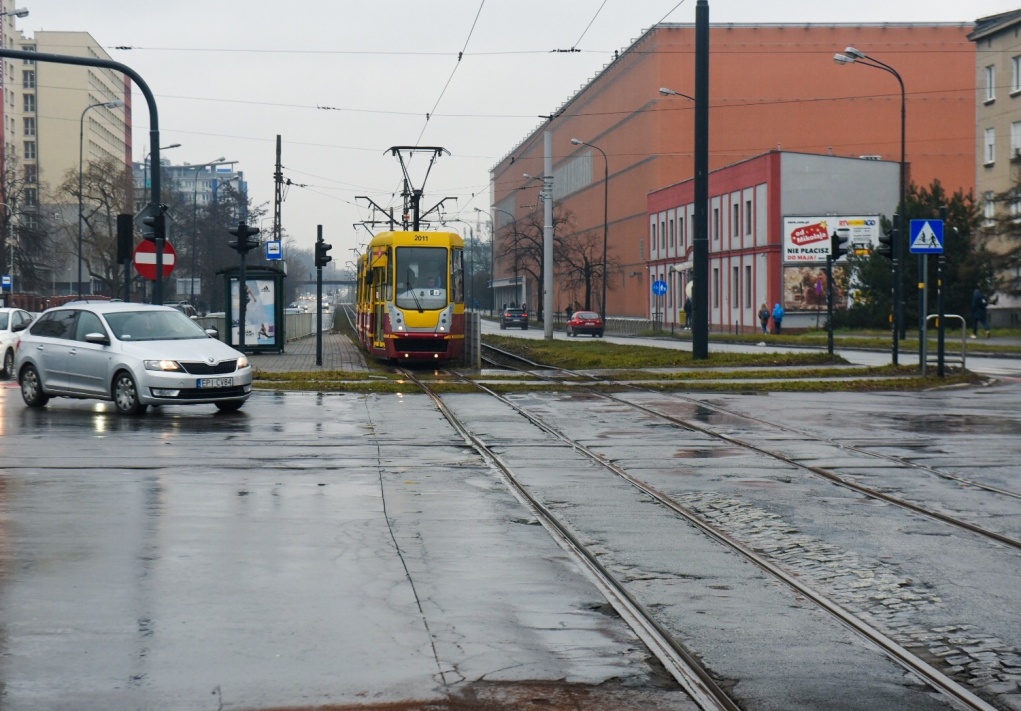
(29, 251)
(522, 244)
(105, 193)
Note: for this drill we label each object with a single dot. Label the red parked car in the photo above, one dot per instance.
(585, 322)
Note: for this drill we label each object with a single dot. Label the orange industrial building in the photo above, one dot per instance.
(772, 87)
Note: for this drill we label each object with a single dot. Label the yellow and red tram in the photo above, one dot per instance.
(411, 296)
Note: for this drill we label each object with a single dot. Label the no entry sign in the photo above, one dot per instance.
(145, 259)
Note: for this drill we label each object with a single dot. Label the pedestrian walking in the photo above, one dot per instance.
(979, 312)
(764, 318)
(688, 308)
(778, 314)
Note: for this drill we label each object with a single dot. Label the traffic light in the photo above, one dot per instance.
(125, 237)
(245, 241)
(840, 242)
(322, 258)
(886, 242)
(156, 224)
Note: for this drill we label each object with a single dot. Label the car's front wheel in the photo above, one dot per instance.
(8, 371)
(125, 394)
(32, 388)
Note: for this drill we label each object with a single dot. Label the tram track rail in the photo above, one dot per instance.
(934, 677)
(832, 476)
(678, 661)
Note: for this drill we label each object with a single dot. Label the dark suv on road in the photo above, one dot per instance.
(514, 317)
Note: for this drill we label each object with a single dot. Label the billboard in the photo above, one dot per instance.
(806, 239)
(260, 324)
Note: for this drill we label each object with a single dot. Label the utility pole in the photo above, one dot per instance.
(278, 194)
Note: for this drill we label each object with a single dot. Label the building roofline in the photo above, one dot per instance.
(532, 135)
(994, 24)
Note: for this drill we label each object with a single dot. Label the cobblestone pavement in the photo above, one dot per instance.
(339, 353)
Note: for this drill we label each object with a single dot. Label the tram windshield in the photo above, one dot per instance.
(421, 276)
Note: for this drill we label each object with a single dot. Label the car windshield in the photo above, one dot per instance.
(153, 326)
(586, 315)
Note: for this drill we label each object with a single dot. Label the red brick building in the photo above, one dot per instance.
(772, 87)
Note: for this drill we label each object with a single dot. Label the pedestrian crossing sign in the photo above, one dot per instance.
(926, 237)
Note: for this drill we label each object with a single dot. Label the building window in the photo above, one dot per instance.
(30, 125)
(737, 289)
(671, 233)
(716, 224)
(652, 237)
(989, 154)
(748, 286)
(1015, 75)
(748, 217)
(989, 208)
(680, 232)
(28, 48)
(29, 103)
(29, 150)
(31, 197)
(990, 83)
(28, 79)
(716, 287)
(31, 173)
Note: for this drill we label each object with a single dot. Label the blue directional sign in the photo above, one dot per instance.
(5, 280)
(274, 250)
(659, 287)
(926, 237)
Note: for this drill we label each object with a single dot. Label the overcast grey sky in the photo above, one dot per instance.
(343, 80)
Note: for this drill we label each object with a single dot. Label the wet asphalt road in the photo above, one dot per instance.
(350, 549)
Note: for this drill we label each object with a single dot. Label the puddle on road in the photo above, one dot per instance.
(710, 453)
(553, 696)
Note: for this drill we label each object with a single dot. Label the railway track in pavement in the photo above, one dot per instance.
(699, 513)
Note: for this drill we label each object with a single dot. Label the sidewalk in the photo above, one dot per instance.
(339, 353)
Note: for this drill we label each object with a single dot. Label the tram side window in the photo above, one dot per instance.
(457, 268)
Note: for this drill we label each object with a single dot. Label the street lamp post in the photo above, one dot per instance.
(606, 213)
(145, 165)
(195, 223)
(81, 163)
(854, 56)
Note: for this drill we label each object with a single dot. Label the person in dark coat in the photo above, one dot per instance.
(979, 312)
(764, 318)
(688, 308)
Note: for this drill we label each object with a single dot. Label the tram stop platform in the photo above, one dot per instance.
(339, 353)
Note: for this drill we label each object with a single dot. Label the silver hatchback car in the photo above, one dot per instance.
(135, 355)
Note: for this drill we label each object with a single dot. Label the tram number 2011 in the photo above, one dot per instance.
(421, 238)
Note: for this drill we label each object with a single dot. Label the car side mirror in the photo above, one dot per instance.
(212, 333)
(98, 338)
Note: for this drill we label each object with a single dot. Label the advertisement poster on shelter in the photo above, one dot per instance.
(807, 238)
(260, 328)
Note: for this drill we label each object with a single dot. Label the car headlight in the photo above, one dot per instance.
(242, 362)
(164, 365)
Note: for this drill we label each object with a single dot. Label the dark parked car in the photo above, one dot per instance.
(585, 322)
(514, 317)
